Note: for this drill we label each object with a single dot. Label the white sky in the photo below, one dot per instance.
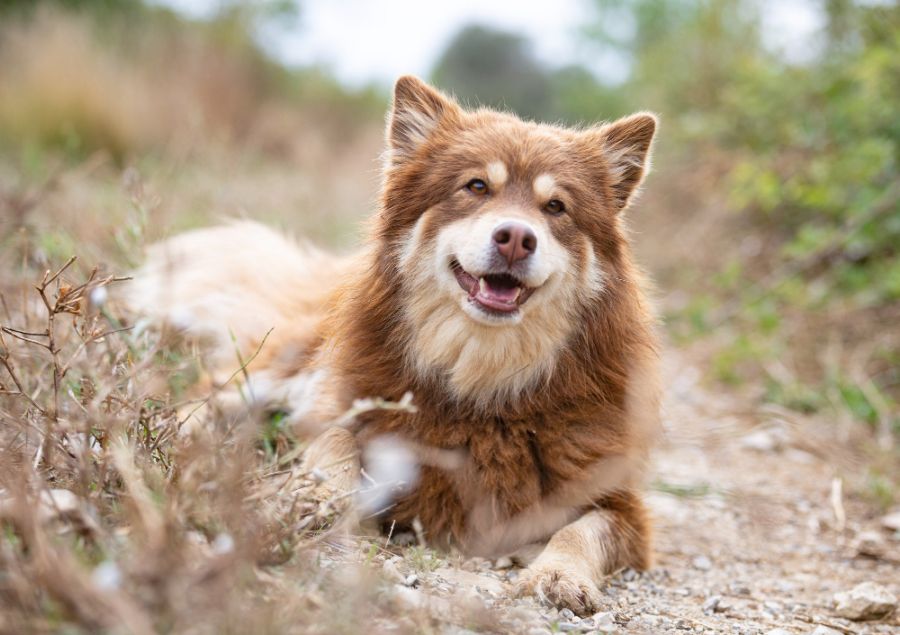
(362, 41)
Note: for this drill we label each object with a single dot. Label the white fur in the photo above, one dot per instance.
(484, 356)
(497, 174)
(239, 281)
(624, 159)
(543, 186)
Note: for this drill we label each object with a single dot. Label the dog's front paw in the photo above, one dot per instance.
(560, 587)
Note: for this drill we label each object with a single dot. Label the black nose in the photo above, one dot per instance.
(515, 241)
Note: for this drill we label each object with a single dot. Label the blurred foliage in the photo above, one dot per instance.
(484, 66)
(126, 78)
(808, 152)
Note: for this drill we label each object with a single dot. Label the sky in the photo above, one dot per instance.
(375, 41)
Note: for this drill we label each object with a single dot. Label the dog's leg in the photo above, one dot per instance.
(568, 571)
(332, 460)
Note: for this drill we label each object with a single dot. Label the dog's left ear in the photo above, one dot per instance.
(417, 111)
(625, 144)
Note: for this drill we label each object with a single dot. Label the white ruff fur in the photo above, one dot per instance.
(486, 357)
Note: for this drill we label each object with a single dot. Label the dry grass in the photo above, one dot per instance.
(60, 85)
(116, 518)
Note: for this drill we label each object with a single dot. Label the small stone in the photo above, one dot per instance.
(761, 441)
(712, 604)
(411, 579)
(566, 627)
(870, 544)
(866, 601)
(538, 631)
(504, 562)
(891, 521)
(824, 630)
(567, 615)
(604, 621)
(778, 631)
(702, 563)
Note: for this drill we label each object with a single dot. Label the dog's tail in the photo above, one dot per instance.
(233, 284)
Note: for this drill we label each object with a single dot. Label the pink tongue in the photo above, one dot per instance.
(500, 294)
(504, 295)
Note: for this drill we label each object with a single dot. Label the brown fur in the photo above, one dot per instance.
(556, 456)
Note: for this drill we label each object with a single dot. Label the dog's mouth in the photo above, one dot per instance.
(493, 292)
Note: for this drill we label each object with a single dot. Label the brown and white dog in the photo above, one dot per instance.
(497, 288)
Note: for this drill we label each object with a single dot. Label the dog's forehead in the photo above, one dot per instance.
(513, 149)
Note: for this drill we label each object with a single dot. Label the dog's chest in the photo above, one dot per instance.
(494, 469)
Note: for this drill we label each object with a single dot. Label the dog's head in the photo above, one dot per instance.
(502, 232)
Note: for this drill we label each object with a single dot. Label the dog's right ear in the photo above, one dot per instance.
(417, 111)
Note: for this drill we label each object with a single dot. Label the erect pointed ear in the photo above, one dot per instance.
(416, 112)
(626, 146)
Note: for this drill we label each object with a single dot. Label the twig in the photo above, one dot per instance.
(837, 503)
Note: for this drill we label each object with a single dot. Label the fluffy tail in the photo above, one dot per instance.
(235, 282)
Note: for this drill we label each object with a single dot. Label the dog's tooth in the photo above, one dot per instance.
(482, 285)
(516, 295)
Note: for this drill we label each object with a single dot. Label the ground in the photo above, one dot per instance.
(752, 535)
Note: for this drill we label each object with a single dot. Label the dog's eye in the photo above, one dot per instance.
(555, 207)
(477, 186)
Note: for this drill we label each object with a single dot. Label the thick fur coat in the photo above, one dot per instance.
(498, 288)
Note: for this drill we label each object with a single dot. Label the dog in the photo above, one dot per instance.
(497, 288)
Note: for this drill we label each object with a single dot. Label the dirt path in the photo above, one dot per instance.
(748, 538)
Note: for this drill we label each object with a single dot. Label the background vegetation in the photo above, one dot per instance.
(771, 223)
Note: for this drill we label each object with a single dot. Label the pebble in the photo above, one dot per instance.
(870, 544)
(824, 630)
(604, 621)
(712, 604)
(702, 563)
(504, 562)
(866, 601)
(778, 631)
(411, 579)
(891, 521)
(761, 441)
(567, 615)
